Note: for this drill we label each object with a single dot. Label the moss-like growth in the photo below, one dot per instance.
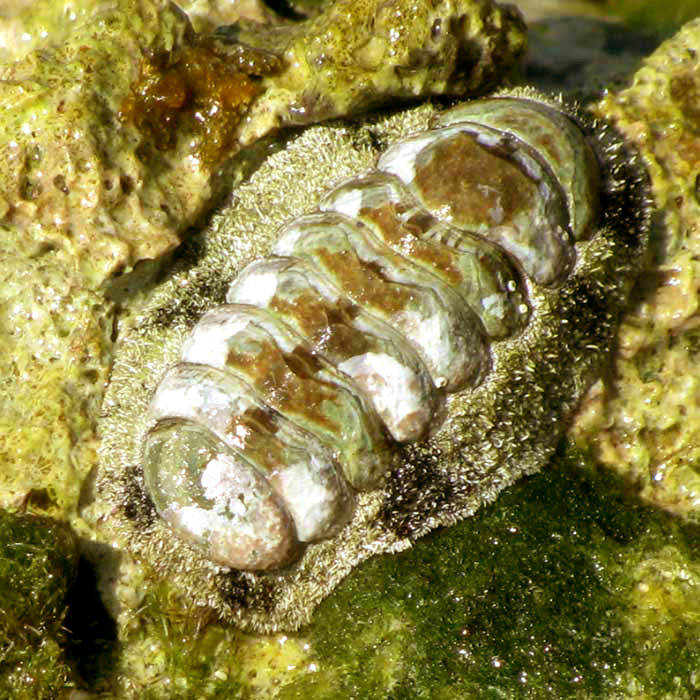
(565, 587)
(172, 650)
(38, 565)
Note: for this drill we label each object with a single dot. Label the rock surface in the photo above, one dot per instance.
(644, 419)
(172, 650)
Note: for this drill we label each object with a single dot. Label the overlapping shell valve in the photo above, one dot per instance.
(343, 343)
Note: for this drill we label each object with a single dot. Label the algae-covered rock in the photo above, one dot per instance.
(26, 25)
(75, 175)
(55, 352)
(356, 55)
(38, 566)
(645, 419)
(110, 137)
(567, 586)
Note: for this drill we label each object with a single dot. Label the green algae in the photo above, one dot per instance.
(170, 649)
(566, 587)
(38, 566)
(192, 656)
(536, 596)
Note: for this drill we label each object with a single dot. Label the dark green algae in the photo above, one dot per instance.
(530, 598)
(38, 566)
(55, 635)
(533, 597)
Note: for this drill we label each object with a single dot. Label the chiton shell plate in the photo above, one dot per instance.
(523, 269)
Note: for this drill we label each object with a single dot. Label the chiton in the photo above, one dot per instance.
(346, 346)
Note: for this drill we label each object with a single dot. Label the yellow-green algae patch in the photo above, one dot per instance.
(171, 649)
(644, 419)
(75, 176)
(67, 226)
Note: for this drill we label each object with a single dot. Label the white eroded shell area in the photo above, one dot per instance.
(343, 343)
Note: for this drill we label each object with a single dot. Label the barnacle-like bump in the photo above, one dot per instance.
(345, 343)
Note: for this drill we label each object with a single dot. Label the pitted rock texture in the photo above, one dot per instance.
(644, 418)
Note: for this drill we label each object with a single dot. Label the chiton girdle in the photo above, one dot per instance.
(483, 437)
